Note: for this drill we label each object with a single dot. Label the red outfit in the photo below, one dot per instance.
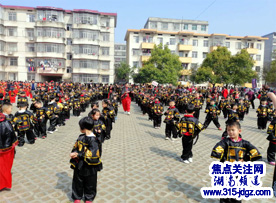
(126, 101)
(7, 145)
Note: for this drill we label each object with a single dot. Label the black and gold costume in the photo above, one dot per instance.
(241, 150)
(189, 127)
(212, 115)
(86, 166)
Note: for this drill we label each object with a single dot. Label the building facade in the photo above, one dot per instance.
(270, 49)
(47, 43)
(191, 47)
(174, 25)
(119, 54)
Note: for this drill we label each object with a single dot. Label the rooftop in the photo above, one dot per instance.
(191, 34)
(172, 20)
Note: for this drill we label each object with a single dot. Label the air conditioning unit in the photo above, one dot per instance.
(31, 38)
(10, 53)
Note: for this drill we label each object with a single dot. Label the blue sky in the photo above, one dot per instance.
(234, 17)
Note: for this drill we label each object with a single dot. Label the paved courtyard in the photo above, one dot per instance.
(139, 165)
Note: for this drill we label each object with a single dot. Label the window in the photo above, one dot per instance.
(12, 31)
(105, 65)
(194, 27)
(153, 25)
(181, 54)
(85, 18)
(165, 26)
(50, 47)
(105, 22)
(195, 42)
(69, 41)
(136, 39)
(13, 61)
(176, 26)
(86, 49)
(227, 44)
(258, 68)
(2, 30)
(194, 54)
(105, 51)
(50, 15)
(30, 76)
(86, 34)
(206, 43)
(135, 64)
(69, 56)
(172, 52)
(204, 55)
(185, 27)
(159, 40)
(30, 17)
(147, 39)
(258, 57)
(2, 61)
(85, 78)
(203, 27)
(12, 16)
(12, 47)
(106, 37)
(30, 33)
(69, 27)
(105, 78)
(172, 41)
(30, 47)
(85, 64)
(185, 66)
(68, 69)
(238, 45)
(2, 46)
(259, 46)
(135, 52)
(194, 65)
(50, 32)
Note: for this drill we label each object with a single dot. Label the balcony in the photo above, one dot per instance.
(145, 58)
(50, 24)
(186, 72)
(185, 59)
(212, 48)
(182, 47)
(146, 45)
(252, 50)
(51, 71)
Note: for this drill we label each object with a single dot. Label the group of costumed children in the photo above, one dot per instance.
(188, 127)
(56, 107)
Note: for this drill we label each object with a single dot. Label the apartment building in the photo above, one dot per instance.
(119, 54)
(47, 43)
(270, 49)
(192, 47)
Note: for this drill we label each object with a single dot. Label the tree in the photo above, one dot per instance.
(123, 71)
(270, 74)
(221, 67)
(162, 67)
(240, 68)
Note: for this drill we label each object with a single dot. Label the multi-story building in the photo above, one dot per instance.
(192, 47)
(270, 49)
(119, 54)
(47, 43)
